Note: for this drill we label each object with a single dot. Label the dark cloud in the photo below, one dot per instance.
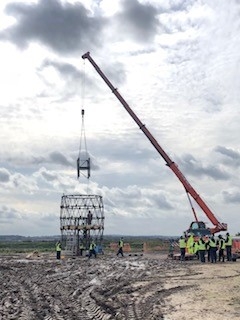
(8, 214)
(233, 155)
(231, 197)
(195, 168)
(59, 158)
(76, 79)
(49, 176)
(4, 175)
(138, 21)
(25, 160)
(66, 70)
(160, 202)
(125, 150)
(113, 70)
(65, 28)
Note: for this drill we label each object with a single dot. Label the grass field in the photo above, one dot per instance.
(29, 245)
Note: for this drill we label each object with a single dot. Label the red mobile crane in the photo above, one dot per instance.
(197, 227)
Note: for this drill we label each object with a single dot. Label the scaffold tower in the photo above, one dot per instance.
(82, 215)
(82, 220)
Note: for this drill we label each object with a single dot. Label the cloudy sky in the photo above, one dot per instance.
(175, 62)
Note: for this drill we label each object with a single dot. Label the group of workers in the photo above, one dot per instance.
(92, 249)
(214, 247)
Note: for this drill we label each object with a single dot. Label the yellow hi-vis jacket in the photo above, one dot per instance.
(222, 244)
(212, 244)
(201, 245)
(58, 247)
(92, 246)
(195, 247)
(229, 242)
(182, 243)
(190, 244)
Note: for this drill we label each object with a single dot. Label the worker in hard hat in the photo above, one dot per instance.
(182, 246)
(81, 248)
(190, 244)
(213, 249)
(89, 217)
(228, 244)
(92, 250)
(221, 248)
(120, 247)
(207, 248)
(201, 249)
(196, 249)
(58, 247)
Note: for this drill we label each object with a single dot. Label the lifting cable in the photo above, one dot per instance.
(83, 161)
(192, 207)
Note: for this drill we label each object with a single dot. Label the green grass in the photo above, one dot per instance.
(26, 246)
(136, 243)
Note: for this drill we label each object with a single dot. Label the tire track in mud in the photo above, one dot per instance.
(136, 294)
(104, 288)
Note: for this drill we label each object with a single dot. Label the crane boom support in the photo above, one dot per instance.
(189, 189)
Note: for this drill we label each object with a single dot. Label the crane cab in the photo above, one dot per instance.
(199, 229)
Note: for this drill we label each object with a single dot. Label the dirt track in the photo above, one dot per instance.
(134, 287)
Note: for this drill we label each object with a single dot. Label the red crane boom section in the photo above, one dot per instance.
(189, 189)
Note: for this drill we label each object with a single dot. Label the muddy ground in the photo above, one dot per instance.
(134, 287)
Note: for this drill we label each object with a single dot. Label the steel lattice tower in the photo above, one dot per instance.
(81, 220)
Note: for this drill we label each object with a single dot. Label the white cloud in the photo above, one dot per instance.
(177, 65)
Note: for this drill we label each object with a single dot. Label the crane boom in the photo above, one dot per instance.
(218, 226)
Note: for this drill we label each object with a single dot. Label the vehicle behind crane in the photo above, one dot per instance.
(197, 228)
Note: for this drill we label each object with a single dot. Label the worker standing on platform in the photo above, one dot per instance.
(120, 247)
(58, 250)
(182, 246)
(89, 217)
(228, 244)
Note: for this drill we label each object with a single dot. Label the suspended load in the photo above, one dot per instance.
(83, 161)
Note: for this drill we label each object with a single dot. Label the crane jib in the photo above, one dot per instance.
(217, 225)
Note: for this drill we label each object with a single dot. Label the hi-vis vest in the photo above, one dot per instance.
(222, 244)
(212, 244)
(229, 243)
(201, 245)
(120, 243)
(92, 246)
(182, 243)
(58, 247)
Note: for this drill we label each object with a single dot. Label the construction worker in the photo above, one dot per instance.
(81, 248)
(221, 247)
(228, 244)
(207, 248)
(190, 244)
(213, 249)
(171, 248)
(89, 217)
(201, 249)
(92, 250)
(58, 250)
(182, 246)
(196, 249)
(120, 247)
